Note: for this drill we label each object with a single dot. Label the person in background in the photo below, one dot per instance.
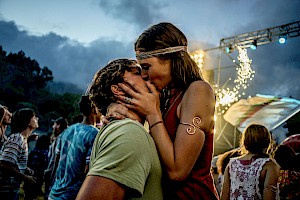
(214, 170)
(289, 177)
(77, 119)
(124, 161)
(37, 161)
(32, 140)
(14, 154)
(181, 122)
(293, 141)
(5, 120)
(58, 127)
(73, 152)
(222, 162)
(253, 175)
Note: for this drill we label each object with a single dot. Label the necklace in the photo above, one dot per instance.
(168, 101)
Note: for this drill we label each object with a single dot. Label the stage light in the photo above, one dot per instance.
(229, 49)
(282, 39)
(253, 45)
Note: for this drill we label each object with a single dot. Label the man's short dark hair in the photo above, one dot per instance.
(20, 119)
(63, 122)
(85, 105)
(100, 90)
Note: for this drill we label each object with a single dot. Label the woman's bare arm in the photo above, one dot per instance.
(271, 178)
(178, 157)
(226, 185)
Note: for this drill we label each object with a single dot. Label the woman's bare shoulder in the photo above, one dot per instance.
(271, 164)
(200, 87)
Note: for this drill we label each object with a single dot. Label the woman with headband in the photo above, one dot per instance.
(5, 120)
(179, 108)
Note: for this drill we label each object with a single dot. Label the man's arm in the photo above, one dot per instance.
(225, 194)
(116, 167)
(10, 168)
(97, 187)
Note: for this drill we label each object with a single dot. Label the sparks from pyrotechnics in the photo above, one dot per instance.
(226, 96)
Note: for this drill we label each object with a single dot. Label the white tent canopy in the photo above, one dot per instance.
(267, 110)
(270, 111)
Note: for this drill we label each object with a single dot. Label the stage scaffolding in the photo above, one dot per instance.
(261, 37)
(245, 40)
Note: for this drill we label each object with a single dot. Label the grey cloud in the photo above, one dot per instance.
(278, 68)
(282, 11)
(267, 14)
(137, 12)
(69, 60)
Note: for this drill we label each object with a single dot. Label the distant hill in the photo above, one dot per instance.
(62, 88)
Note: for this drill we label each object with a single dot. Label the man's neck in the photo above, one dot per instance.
(26, 132)
(90, 120)
(136, 116)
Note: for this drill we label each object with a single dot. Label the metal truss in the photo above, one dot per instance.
(260, 37)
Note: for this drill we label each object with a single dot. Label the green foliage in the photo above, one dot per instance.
(23, 83)
(27, 105)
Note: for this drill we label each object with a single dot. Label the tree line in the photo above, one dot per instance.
(23, 83)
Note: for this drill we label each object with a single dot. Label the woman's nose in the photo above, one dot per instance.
(145, 76)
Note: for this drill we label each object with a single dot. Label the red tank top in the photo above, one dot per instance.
(199, 184)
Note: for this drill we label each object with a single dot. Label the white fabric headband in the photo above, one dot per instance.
(149, 54)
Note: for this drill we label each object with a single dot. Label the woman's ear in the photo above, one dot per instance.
(116, 90)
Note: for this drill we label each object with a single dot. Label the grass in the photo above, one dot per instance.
(21, 194)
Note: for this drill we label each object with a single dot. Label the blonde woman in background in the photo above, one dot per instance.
(254, 174)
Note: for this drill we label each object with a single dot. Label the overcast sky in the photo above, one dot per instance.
(74, 38)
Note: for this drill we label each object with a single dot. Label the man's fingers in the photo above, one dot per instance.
(130, 106)
(136, 87)
(121, 100)
(128, 90)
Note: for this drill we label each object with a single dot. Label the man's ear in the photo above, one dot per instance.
(116, 90)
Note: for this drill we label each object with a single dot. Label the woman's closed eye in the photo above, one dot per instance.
(136, 71)
(145, 67)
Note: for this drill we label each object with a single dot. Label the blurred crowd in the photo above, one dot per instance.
(246, 171)
(30, 160)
